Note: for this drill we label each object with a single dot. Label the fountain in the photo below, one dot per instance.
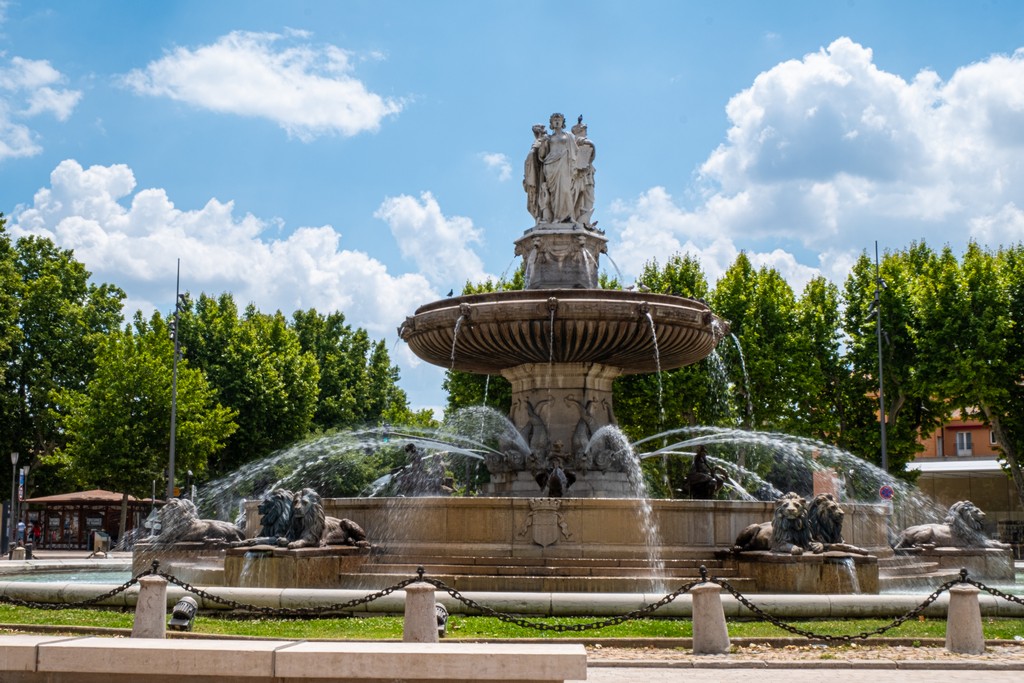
(564, 509)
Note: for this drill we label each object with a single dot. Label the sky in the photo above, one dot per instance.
(367, 157)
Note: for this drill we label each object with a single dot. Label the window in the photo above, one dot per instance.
(963, 444)
(991, 437)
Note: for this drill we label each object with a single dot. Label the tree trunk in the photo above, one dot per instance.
(1010, 454)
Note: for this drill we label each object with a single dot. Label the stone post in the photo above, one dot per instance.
(710, 635)
(151, 608)
(420, 614)
(963, 621)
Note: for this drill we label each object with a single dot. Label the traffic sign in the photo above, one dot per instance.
(886, 492)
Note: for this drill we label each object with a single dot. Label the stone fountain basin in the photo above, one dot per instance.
(500, 330)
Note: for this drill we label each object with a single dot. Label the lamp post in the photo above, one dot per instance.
(877, 304)
(14, 493)
(180, 301)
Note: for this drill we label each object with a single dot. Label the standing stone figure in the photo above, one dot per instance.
(557, 152)
(533, 177)
(583, 179)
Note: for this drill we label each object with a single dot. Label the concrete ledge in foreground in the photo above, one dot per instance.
(48, 659)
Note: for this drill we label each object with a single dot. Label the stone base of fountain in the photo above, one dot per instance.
(830, 572)
(200, 563)
(588, 485)
(551, 544)
(266, 566)
(911, 567)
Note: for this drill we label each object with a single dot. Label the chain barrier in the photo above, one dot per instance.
(647, 610)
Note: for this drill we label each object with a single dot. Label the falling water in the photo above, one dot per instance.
(618, 273)
(746, 379)
(504, 273)
(850, 571)
(657, 363)
(455, 338)
(551, 336)
(625, 455)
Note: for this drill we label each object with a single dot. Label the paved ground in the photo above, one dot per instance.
(782, 675)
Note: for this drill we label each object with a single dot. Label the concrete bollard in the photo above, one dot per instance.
(151, 608)
(18, 553)
(420, 614)
(963, 621)
(710, 634)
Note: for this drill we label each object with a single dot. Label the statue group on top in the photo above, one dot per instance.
(559, 174)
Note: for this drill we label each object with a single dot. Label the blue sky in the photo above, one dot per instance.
(367, 156)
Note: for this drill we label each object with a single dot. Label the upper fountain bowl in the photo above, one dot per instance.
(636, 332)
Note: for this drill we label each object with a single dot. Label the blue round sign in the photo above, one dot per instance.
(886, 492)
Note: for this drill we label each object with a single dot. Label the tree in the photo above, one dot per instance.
(358, 383)
(972, 341)
(258, 367)
(118, 424)
(647, 404)
(761, 309)
(818, 395)
(51, 320)
(911, 398)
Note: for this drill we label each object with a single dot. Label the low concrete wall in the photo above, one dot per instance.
(534, 604)
(39, 659)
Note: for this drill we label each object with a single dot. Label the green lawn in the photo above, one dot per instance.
(370, 628)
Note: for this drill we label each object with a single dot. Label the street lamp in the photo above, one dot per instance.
(14, 493)
(180, 302)
(877, 305)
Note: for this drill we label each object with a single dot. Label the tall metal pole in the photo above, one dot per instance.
(174, 385)
(13, 520)
(879, 283)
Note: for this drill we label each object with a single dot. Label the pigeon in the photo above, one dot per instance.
(450, 292)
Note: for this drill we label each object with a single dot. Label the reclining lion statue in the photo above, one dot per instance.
(275, 518)
(789, 531)
(825, 518)
(962, 528)
(311, 527)
(180, 522)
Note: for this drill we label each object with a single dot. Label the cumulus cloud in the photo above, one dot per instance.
(132, 238)
(28, 88)
(307, 90)
(438, 245)
(828, 153)
(498, 162)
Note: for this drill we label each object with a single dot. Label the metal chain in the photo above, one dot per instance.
(510, 618)
(847, 637)
(559, 628)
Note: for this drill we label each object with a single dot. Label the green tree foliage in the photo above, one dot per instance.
(51, 320)
(257, 365)
(820, 407)
(911, 403)
(762, 312)
(685, 396)
(118, 424)
(972, 341)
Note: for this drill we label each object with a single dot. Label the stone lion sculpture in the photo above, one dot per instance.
(180, 522)
(311, 527)
(275, 518)
(962, 528)
(825, 518)
(788, 532)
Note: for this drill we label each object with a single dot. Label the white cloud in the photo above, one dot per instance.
(27, 89)
(437, 244)
(307, 90)
(133, 238)
(499, 163)
(828, 153)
